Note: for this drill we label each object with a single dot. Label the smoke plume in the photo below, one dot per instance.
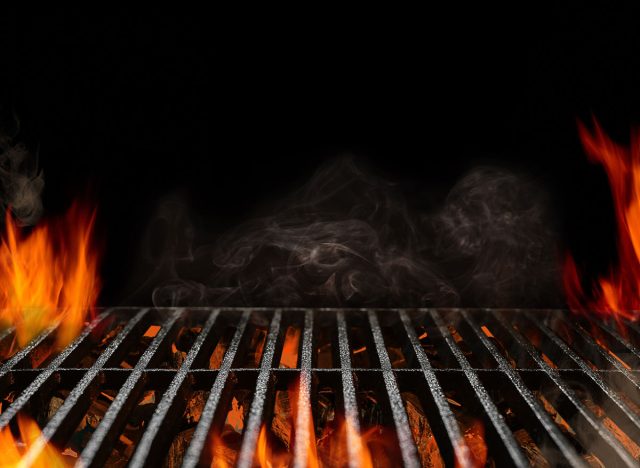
(497, 238)
(348, 238)
(21, 183)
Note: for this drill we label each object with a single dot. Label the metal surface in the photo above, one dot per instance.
(491, 352)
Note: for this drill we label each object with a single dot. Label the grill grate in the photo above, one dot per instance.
(571, 386)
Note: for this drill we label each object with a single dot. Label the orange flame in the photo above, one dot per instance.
(616, 295)
(48, 276)
(223, 455)
(332, 441)
(13, 450)
(270, 457)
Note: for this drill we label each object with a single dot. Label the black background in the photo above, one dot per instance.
(236, 111)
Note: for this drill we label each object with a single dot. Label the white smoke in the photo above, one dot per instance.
(21, 182)
(347, 238)
(496, 227)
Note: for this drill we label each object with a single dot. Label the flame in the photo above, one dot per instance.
(267, 458)
(49, 276)
(333, 441)
(329, 449)
(336, 443)
(223, 455)
(617, 294)
(13, 450)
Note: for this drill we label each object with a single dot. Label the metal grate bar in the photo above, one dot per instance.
(108, 426)
(403, 431)
(245, 458)
(586, 369)
(611, 360)
(149, 439)
(349, 392)
(192, 457)
(460, 448)
(561, 442)
(303, 419)
(592, 429)
(43, 376)
(611, 447)
(492, 412)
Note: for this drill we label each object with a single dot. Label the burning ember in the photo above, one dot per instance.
(617, 294)
(49, 276)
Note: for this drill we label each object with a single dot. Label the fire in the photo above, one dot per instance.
(331, 448)
(14, 449)
(49, 275)
(334, 443)
(617, 294)
(267, 458)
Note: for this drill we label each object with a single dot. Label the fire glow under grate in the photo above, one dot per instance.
(329, 387)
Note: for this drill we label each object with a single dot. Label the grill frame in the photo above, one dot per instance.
(454, 446)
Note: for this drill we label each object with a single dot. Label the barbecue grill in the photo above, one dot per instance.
(147, 387)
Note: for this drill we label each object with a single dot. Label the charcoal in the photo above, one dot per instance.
(370, 409)
(396, 357)
(218, 354)
(360, 354)
(99, 406)
(326, 407)
(54, 405)
(499, 346)
(325, 357)
(143, 411)
(186, 338)
(7, 400)
(421, 431)
(117, 460)
(234, 421)
(226, 444)
(473, 434)
(324, 348)
(41, 353)
(559, 420)
(281, 425)
(593, 461)
(177, 357)
(289, 357)
(225, 450)
(97, 350)
(8, 347)
(530, 449)
(178, 448)
(629, 445)
(195, 405)
(254, 351)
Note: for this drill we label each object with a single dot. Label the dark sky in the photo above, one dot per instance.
(237, 111)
